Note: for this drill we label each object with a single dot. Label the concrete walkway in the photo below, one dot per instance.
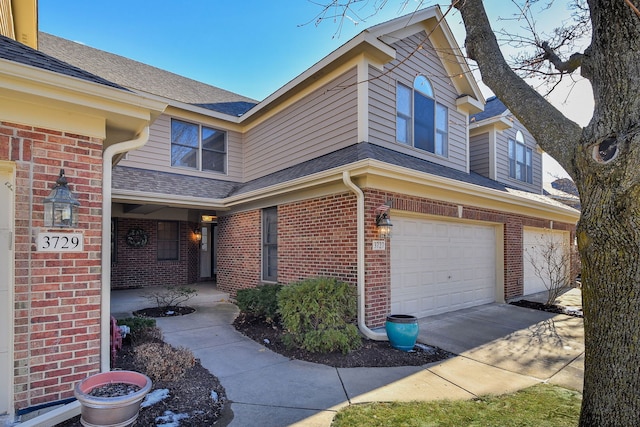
(501, 348)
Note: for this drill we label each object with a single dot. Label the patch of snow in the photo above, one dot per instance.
(124, 330)
(214, 395)
(154, 397)
(170, 419)
(266, 341)
(426, 348)
(170, 313)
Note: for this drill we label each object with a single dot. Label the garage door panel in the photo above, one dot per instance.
(439, 266)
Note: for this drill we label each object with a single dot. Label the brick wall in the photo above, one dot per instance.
(239, 251)
(56, 295)
(317, 237)
(139, 267)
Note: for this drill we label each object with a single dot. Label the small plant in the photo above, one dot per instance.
(171, 296)
(318, 315)
(551, 261)
(162, 362)
(142, 329)
(260, 302)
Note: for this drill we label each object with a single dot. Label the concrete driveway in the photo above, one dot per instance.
(528, 342)
(501, 349)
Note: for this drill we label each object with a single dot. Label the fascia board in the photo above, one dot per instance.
(120, 107)
(170, 200)
(379, 168)
(497, 123)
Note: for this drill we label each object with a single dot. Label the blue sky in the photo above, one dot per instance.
(251, 47)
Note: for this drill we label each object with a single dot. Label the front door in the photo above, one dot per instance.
(208, 244)
(7, 190)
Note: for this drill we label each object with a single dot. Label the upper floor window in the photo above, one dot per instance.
(520, 159)
(198, 147)
(420, 120)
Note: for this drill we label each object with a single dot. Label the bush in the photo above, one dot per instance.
(260, 302)
(141, 329)
(171, 296)
(162, 362)
(318, 315)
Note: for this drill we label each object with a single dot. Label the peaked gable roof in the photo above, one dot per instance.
(493, 107)
(145, 78)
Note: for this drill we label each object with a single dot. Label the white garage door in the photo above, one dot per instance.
(441, 266)
(536, 245)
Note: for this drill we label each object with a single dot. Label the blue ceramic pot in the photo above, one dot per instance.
(402, 331)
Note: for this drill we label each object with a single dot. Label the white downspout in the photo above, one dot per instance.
(105, 307)
(377, 336)
(72, 409)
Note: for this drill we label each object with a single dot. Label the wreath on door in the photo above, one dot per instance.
(137, 237)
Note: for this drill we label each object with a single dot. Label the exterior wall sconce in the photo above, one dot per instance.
(198, 234)
(383, 222)
(61, 207)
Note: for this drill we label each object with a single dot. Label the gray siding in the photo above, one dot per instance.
(382, 101)
(320, 123)
(502, 158)
(479, 154)
(156, 153)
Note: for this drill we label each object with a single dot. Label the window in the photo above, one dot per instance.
(520, 159)
(168, 240)
(420, 121)
(270, 244)
(198, 147)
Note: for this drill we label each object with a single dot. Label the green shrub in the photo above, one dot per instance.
(260, 302)
(141, 329)
(318, 315)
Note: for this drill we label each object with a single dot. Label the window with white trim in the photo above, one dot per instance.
(421, 122)
(520, 159)
(198, 147)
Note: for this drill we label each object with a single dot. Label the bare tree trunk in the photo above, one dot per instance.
(604, 160)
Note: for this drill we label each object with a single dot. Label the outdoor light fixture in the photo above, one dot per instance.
(61, 207)
(383, 222)
(198, 234)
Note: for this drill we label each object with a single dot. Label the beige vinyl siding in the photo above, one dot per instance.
(382, 101)
(479, 154)
(156, 153)
(320, 123)
(502, 159)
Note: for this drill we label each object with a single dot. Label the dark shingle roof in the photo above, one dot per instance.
(493, 107)
(142, 77)
(17, 52)
(180, 185)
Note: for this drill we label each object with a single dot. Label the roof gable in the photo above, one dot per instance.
(493, 108)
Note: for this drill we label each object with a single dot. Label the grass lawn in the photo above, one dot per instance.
(540, 405)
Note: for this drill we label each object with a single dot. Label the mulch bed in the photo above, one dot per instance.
(371, 354)
(551, 308)
(164, 311)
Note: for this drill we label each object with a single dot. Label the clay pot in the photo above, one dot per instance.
(117, 411)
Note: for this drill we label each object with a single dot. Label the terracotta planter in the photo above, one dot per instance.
(117, 411)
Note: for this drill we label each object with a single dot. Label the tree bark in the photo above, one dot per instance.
(604, 161)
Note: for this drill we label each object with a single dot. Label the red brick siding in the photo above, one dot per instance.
(317, 237)
(56, 295)
(239, 251)
(139, 267)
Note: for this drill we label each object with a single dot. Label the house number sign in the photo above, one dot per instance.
(60, 242)
(379, 245)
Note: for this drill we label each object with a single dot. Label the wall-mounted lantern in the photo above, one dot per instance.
(61, 207)
(383, 223)
(197, 233)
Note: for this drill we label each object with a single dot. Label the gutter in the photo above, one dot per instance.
(376, 336)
